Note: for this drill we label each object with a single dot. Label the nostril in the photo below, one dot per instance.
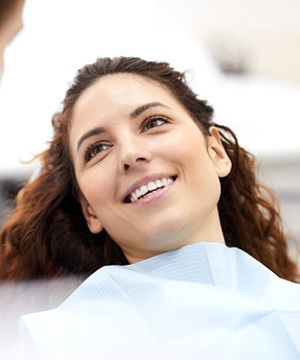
(131, 160)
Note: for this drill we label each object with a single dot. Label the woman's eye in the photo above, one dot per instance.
(94, 150)
(156, 121)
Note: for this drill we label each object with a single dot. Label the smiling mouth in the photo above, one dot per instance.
(149, 188)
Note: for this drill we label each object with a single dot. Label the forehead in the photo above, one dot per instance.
(115, 96)
(121, 89)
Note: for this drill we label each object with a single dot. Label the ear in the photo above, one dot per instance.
(218, 154)
(92, 220)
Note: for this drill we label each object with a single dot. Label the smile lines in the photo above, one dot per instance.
(150, 187)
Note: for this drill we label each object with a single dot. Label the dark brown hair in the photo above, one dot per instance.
(47, 234)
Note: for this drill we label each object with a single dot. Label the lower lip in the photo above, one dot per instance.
(153, 196)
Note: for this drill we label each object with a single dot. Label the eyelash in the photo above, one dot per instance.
(154, 118)
(89, 151)
(91, 148)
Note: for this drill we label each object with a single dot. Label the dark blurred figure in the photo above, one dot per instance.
(11, 22)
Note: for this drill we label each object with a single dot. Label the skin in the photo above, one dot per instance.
(11, 26)
(139, 132)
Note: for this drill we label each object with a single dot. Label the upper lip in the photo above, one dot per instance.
(145, 180)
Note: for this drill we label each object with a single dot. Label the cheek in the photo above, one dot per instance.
(190, 148)
(184, 145)
(96, 187)
(192, 152)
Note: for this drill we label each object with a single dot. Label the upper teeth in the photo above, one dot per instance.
(152, 185)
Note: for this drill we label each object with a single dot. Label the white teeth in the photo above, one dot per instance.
(158, 183)
(164, 182)
(151, 186)
(143, 189)
(138, 193)
(134, 197)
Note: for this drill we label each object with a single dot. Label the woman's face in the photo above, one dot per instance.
(147, 174)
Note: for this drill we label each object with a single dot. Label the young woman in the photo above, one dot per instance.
(138, 175)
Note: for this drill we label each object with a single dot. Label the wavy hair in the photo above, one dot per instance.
(47, 235)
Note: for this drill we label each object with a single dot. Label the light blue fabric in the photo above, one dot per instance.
(203, 301)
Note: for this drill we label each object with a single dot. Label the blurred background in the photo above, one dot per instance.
(242, 56)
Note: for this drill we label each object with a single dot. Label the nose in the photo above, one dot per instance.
(134, 154)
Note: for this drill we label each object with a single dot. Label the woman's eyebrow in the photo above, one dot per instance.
(88, 134)
(134, 114)
(144, 107)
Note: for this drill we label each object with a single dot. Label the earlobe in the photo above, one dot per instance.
(92, 220)
(218, 154)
